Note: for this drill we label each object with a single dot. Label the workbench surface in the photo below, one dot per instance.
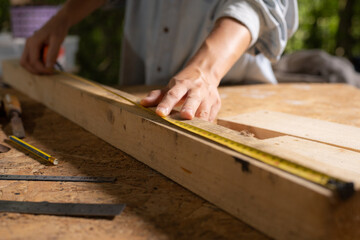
(157, 208)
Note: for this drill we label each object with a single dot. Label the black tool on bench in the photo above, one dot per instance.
(12, 109)
(57, 178)
(63, 209)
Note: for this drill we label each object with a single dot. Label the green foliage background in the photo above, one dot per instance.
(331, 25)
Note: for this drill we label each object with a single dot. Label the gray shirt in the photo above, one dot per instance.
(160, 36)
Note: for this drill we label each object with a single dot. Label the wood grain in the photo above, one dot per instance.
(275, 202)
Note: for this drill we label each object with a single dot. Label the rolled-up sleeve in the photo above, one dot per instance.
(270, 22)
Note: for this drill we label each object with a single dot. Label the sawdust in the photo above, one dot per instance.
(246, 133)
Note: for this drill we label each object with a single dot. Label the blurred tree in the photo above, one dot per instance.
(100, 44)
(344, 39)
(318, 23)
(331, 25)
(4, 15)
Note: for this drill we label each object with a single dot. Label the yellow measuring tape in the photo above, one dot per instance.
(342, 188)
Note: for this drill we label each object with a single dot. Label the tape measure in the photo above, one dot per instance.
(62, 209)
(57, 178)
(341, 188)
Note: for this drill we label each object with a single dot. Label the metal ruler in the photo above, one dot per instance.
(341, 188)
(57, 178)
(62, 209)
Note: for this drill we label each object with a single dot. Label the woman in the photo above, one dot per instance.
(190, 45)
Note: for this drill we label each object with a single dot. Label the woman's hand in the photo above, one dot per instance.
(52, 34)
(191, 86)
(197, 83)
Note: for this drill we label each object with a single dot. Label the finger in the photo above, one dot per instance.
(35, 61)
(26, 63)
(214, 111)
(53, 52)
(153, 98)
(191, 104)
(171, 98)
(203, 111)
(25, 60)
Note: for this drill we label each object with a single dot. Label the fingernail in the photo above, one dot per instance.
(163, 111)
(188, 111)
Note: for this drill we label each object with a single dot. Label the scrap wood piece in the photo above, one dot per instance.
(335, 161)
(275, 202)
(267, 124)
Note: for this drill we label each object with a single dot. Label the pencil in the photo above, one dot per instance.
(33, 150)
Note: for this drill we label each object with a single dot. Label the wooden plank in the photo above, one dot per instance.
(338, 103)
(157, 208)
(267, 124)
(279, 204)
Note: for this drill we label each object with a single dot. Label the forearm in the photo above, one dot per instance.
(74, 11)
(222, 48)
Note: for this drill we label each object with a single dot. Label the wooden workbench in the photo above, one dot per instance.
(157, 208)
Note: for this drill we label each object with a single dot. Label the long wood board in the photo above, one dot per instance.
(277, 203)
